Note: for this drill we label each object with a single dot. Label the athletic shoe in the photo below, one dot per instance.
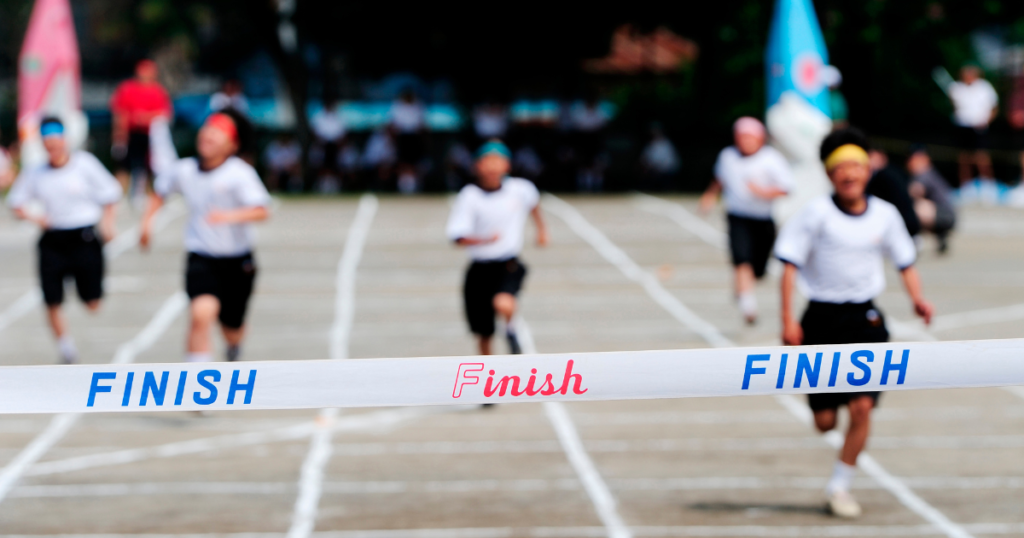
(513, 344)
(842, 504)
(69, 358)
(233, 352)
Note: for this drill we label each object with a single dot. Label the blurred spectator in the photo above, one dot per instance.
(283, 159)
(490, 120)
(588, 123)
(408, 118)
(659, 162)
(527, 164)
(329, 132)
(932, 196)
(458, 167)
(134, 105)
(1016, 118)
(230, 96)
(379, 156)
(348, 164)
(6, 168)
(974, 107)
(837, 101)
(888, 183)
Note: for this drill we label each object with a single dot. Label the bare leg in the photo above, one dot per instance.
(984, 163)
(204, 310)
(93, 306)
(965, 162)
(233, 336)
(860, 425)
(825, 420)
(484, 342)
(744, 278)
(56, 319)
(505, 306)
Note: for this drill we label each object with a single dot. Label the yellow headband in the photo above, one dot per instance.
(846, 153)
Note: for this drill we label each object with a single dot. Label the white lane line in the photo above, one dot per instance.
(709, 531)
(312, 475)
(709, 483)
(685, 219)
(617, 257)
(60, 424)
(613, 254)
(569, 439)
(124, 241)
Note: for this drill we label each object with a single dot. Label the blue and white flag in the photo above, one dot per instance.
(796, 55)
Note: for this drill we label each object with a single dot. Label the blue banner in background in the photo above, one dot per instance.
(796, 54)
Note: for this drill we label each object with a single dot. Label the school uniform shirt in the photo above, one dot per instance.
(480, 214)
(232, 185)
(766, 168)
(973, 103)
(72, 196)
(840, 255)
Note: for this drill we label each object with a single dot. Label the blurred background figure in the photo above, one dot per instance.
(750, 175)
(283, 159)
(490, 120)
(527, 163)
(458, 163)
(890, 184)
(230, 96)
(1015, 117)
(329, 133)
(379, 157)
(408, 118)
(837, 101)
(933, 201)
(659, 162)
(588, 123)
(135, 104)
(974, 106)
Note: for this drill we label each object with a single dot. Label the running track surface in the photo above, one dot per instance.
(947, 463)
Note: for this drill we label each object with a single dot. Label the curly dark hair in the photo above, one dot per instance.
(842, 137)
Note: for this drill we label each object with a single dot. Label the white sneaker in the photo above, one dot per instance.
(842, 504)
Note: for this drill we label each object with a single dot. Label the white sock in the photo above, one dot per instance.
(66, 344)
(842, 476)
(203, 356)
(748, 303)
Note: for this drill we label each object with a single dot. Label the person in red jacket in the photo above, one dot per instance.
(135, 104)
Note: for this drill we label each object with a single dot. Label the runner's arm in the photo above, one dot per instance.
(155, 203)
(710, 196)
(792, 333)
(238, 216)
(542, 230)
(912, 283)
(107, 222)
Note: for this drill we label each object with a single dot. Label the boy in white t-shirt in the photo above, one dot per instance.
(488, 219)
(750, 175)
(975, 104)
(79, 197)
(224, 196)
(837, 244)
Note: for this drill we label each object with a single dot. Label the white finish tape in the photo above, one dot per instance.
(520, 378)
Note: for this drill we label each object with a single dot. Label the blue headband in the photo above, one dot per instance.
(51, 128)
(493, 147)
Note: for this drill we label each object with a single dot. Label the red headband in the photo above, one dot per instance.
(225, 124)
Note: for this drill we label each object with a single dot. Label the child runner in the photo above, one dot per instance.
(837, 243)
(225, 196)
(78, 196)
(488, 219)
(750, 175)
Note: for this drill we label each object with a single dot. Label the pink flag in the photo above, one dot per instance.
(49, 76)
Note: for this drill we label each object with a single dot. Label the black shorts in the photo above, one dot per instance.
(137, 156)
(751, 241)
(971, 138)
(484, 280)
(74, 253)
(230, 280)
(409, 148)
(847, 323)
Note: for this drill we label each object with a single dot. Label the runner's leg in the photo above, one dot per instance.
(203, 310)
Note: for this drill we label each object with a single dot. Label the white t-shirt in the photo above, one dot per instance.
(282, 155)
(328, 125)
(840, 255)
(72, 196)
(480, 214)
(220, 100)
(232, 185)
(407, 117)
(766, 168)
(973, 103)
(587, 119)
(490, 122)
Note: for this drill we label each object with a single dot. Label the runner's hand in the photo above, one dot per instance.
(924, 309)
(144, 240)
(707, 202)
(108, 232)
(792, 333)
(542, 237)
